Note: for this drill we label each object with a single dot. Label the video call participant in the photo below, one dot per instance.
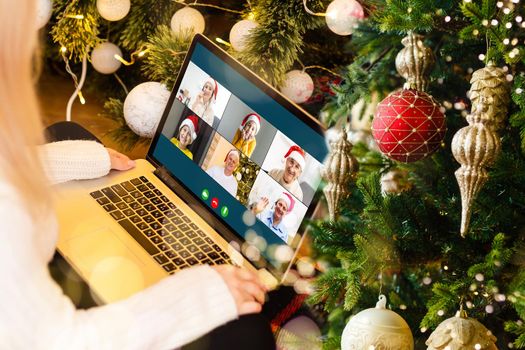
(294, 162)
(202, 106)
(244, 138)
(274, 218)
(224, 174)
(188, 130)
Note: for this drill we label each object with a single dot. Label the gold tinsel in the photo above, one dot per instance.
(339, 170)
(477, 146)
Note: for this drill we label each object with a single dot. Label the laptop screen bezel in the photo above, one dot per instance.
(191, 198)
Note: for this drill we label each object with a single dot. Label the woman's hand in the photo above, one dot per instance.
(120, 161)
(260, 205)
(245, 287)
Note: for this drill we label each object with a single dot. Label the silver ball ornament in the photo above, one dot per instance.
(298, 86)
(343, 16)
(44, 9)
(239, 33)
(113, 10)
(103, 58)
(144, 106)
(187, 19)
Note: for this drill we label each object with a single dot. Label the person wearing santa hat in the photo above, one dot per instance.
(224, 174)
(294, 162)
(188, 130)
(202, 106)
(244, 138)
(274, 218)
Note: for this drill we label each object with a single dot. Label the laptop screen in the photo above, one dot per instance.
(249, 155)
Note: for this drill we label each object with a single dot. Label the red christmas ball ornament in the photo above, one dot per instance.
(408, 125)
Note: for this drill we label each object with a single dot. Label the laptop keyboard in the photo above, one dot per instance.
(162, 229)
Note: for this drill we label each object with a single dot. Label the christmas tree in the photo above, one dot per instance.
(408, 227)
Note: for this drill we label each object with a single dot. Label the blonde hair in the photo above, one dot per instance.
(20, 124)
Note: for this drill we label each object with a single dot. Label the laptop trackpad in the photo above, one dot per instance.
(110, 268)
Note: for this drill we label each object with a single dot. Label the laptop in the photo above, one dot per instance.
(223, 199)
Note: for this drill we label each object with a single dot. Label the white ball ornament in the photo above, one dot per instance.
(240, 32)
(298, 86)
(187, 19)
(44, 9)
(144, 106)
(113, 10)
(377, 328)
(342, 16)
(103, 58)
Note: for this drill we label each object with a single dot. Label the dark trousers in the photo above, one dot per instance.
(248, 332)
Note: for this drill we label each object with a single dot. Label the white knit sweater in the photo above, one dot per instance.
(34, 314)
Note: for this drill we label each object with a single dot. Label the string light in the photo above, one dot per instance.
(519, 19)
(75, 16)
(209, 5)
(63, 49)
(140, 52)
(499, 4)
(506, 41)
(221, 41)
(81, 98)
(320, 14)
(508, 25)
(494, 22)
(506, 10)
(485, 22)
(481, 57)
(447, 19)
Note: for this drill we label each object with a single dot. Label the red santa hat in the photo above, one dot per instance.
(288, 199)
(213, 83)
(232, 150)
(192, 122)
(252, 117)
(296, 153)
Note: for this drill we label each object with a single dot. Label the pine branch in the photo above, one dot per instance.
(122, 134)
(274, 46)
(76, 35)
(165, 56)
(142, 22)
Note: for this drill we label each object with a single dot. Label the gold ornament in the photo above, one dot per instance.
(339, 170)
(414, 62)
(461, 333)
(477, 146)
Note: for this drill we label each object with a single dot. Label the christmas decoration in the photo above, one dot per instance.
(395, 181)
(298, 86)
(342, 16)
(339, 170)
(477, 146)
(187, 19)
(377, 328)
(239, 32)
(144, 106)
(408, 125)
(362, 113)
(113, 10)
(414, 62)
(103, 58)
(44, 9)
(461, 333)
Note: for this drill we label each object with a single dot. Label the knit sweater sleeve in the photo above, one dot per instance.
(36, 315)
(74, 160)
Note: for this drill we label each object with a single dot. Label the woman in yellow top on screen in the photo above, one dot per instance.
(244, 138)
(188, 130)
(202, 106)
